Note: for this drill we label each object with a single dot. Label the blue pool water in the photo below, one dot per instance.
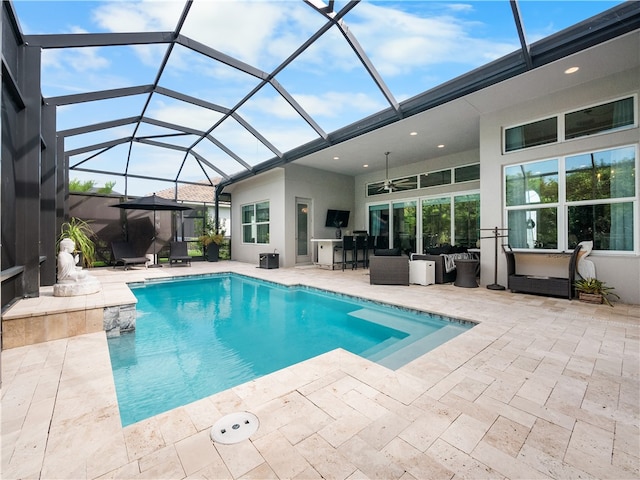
(200, 335)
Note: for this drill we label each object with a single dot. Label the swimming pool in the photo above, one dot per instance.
(199, 335)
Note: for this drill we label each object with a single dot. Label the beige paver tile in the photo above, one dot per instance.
(344, 427)
(143, 438)
(567, 391)
(383, 430)
(548, 438)
(627, 462)
(472, 409)
(594, 465)
(281, 456)
(469, 389)
(163, 468)
(324, 459)
(504, 387)
(202, 413)
(175, 425)
(536, 390)
(460, 462)
(196, 452)
(365, 405)
(504, 463)
(465, 432)
(542, 412)
(129, 470)
(261, 472)
(240, 458)
(110, 455)
(593, 441)
(27, 455)
(627, 439)
(507, 435)
(550, 465)
(418, 464)
(425, 430)
(370, 460)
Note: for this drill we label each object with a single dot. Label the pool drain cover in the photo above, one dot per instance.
(234, 428)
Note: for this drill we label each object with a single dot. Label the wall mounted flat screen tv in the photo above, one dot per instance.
(337, 218)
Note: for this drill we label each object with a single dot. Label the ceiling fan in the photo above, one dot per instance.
(388, 184)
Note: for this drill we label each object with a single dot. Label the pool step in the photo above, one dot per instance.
(411, 347)
(410, 327)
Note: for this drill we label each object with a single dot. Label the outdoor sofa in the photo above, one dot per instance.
(388, 267)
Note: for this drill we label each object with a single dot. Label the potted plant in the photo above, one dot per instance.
(211, 243)
(80, 232)
(592, 290)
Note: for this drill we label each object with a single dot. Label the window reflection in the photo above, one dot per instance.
(532, 183)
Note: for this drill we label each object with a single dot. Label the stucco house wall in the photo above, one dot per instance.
(620, 270)
(281, 187)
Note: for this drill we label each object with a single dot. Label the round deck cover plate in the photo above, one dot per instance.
(234, 428)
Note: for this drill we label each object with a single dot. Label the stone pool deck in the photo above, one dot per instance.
(541, 388)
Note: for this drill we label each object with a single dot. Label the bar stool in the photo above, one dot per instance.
(369, 248)
(360, 245)
(348, 245)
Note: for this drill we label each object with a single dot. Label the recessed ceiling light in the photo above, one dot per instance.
(336, 158)
(441, 145)
(571, 70)
(366, 165)
(413, 134)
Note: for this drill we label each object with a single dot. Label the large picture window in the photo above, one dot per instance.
(255, 223)
(600, 201)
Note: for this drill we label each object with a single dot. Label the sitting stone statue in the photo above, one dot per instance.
(72, 280)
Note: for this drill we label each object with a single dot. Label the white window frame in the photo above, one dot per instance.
(255, 223)
(562, 205)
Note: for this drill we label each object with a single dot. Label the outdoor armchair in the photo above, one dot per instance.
(179, 254)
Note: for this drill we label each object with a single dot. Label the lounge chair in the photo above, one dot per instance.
(124, 254)
(178, 254)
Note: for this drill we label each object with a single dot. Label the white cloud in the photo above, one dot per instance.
(399, 42)
(183, 114)
(145, 16)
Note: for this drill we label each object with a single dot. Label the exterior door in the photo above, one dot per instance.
(303, 229)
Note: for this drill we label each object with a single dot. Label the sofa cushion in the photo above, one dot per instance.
(388, 252)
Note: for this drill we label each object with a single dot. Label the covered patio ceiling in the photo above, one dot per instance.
(161, 91)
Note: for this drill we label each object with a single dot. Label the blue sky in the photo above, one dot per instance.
(414, 45)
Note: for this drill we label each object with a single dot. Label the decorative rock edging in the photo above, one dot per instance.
(119, 319)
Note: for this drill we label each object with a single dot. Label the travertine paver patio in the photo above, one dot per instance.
(541, 388)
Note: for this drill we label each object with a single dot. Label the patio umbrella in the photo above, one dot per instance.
(152, 203)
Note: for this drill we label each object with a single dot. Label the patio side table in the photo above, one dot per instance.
(466, 273)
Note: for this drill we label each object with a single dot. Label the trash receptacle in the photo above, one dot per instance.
(269, 260)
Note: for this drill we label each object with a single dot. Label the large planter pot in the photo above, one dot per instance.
(213, 252)
(594, 298)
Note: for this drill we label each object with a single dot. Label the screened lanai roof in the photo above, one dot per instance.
(162, 91)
